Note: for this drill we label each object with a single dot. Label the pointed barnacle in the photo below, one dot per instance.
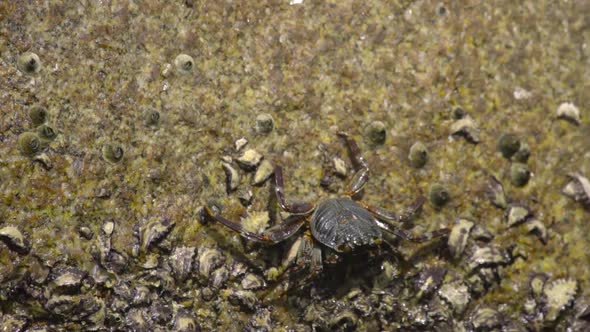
(181, 262)
(458, 237)
(14, 239)
(184, 64)
(29, 63)
(264, 124)
(232, 177)
(375, 133)
(185, 322)
(465, 127)
(418, 155)
(38, 115)
(439, 195)
(536, 227)
(154, 232)
(456, 294)
(495, 193)
(558, 295)
(29, 144)
(263, 172)
(578, 189)
(113, 153)
(152, 118)
(519, 174)
(508, 145)
(249, 160)
(569, 112)
(487, 257)
(517, 214)
(486, 319)
(46, 132)
(209, 260)
(429, 280)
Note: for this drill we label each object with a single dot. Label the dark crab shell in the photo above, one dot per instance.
(343, 225)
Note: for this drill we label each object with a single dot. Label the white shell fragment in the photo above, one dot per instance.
(240, 143)
(233, 177)
(578, 189)
(517, 214)
(339, 167)
(466, 128)
(569, 112)
(264, 171)
(558, 295)
(249, 160)
(536, 227)
(495, 193)
(14, 239)
(458, 237)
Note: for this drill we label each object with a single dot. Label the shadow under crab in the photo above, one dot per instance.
(339, 225)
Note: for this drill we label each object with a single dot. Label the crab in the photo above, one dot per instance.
(337, 225)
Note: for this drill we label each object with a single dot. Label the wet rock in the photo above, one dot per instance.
(578, 189)
(232, 177)
(495, 193)
(249, 160)
(264, 171)
(558, 295)
(569, 112)
(458, 237)
(181, 262)
(517, 214)
(456, 294)
(14, 240)
(154, 231)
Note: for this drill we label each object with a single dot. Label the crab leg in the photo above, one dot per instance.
(411, 237)
(361, 167)
(272, 235)
(294, 208)
(389, 216)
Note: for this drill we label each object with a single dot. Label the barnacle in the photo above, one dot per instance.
(184, 63)
(264, 123)
(29, 144)
(519, 174)
(152, 118)
(508, 144)
(29, 63)
(113, 153)
(439, 195)
(38, 115)
(46, 132)
(418, 155)
(375, 133)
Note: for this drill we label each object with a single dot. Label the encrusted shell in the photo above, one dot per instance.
(185, 322)
(487, 256)
(578, 189)
(252, 281)
(429, 280)
(14, 239)
(245, 298)
(485, 319)
(66, 279)
(458, 237)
